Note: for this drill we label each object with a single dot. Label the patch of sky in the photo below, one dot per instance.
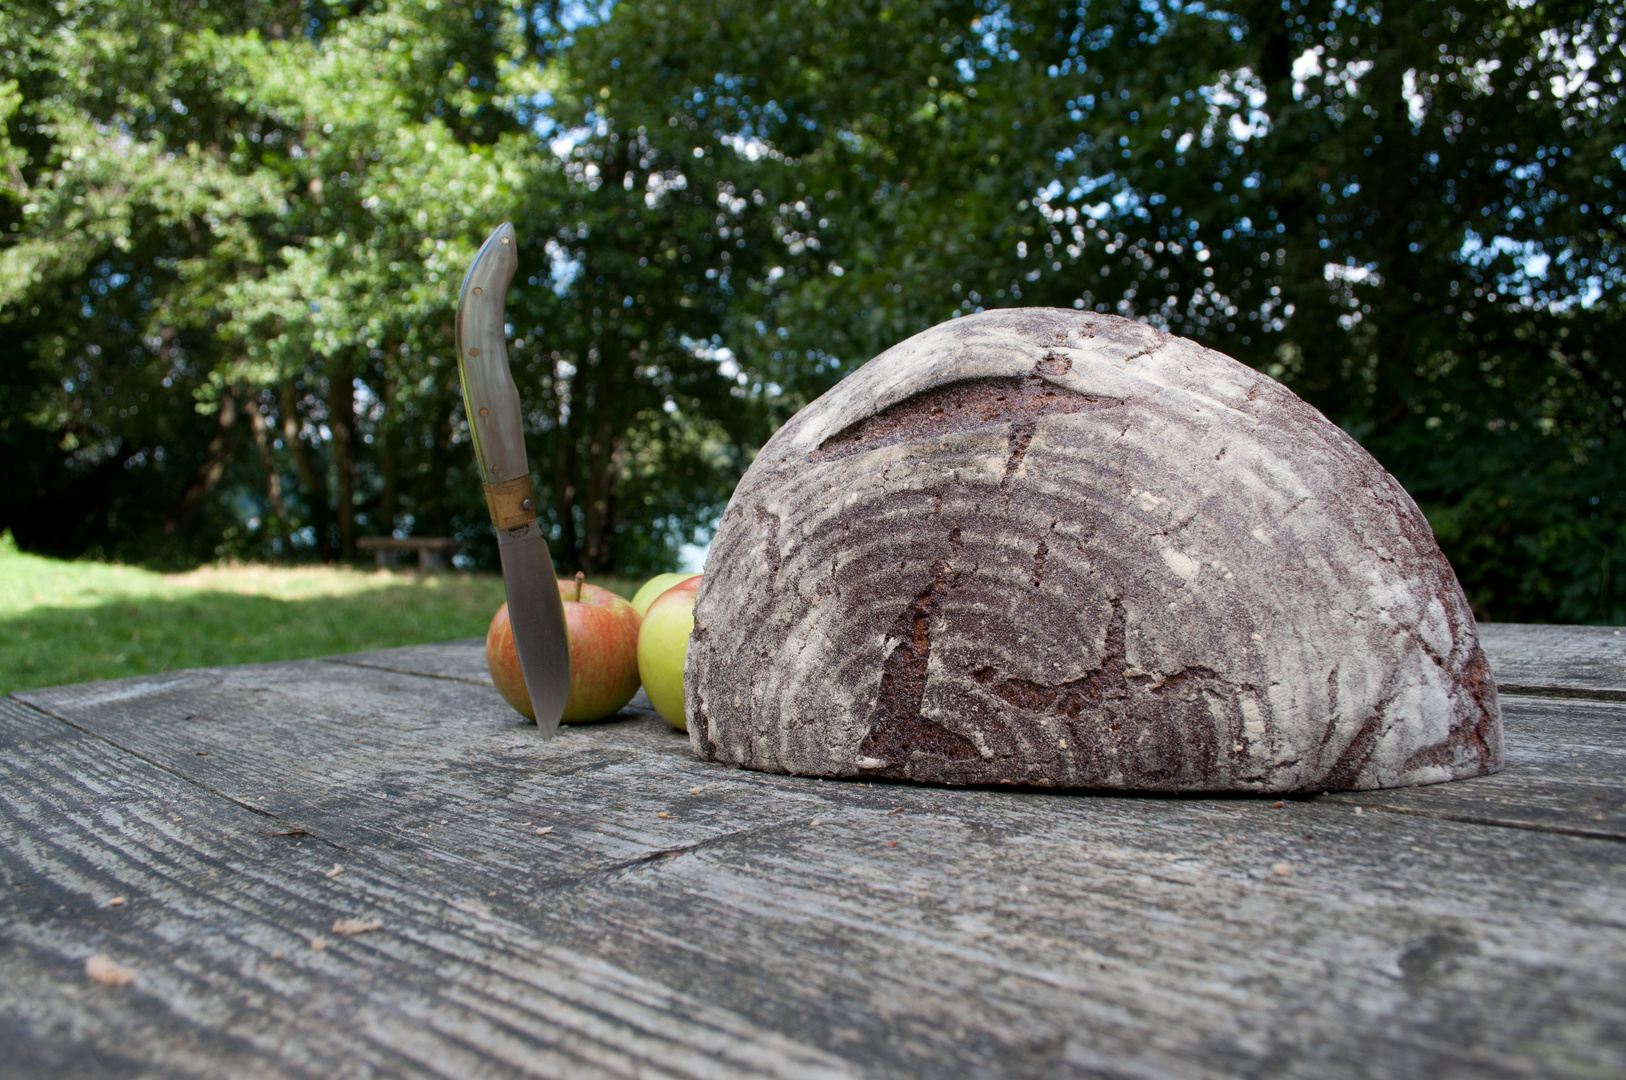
(1528, 254)
(1355, 275)
(369, 406)
(692, 557)
(657, 184)
(749, 147)
(564, 143)
(539, 106)
(728, 364)
(563, 267)
(1413, 90)
(1537, 279)
(996, 30)
(1235, 101)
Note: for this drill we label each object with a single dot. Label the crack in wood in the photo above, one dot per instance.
(1574, 693)
(406, 671)
(649, 858)
(1473, 819)
(200, 785)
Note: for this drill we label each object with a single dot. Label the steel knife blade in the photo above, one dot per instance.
(491, 401)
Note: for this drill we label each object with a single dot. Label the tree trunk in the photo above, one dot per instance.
(341, 420)
(593, 489)
(273, 480)
(433, 518)
(564, 480)
(315, 489)
(214, 463)
(387, 462)
(603, 464)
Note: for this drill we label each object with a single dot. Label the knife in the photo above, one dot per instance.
(491, 401)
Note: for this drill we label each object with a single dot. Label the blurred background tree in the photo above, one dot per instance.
(232, 247)
(232, 242)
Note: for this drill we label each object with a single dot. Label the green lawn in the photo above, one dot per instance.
(68, 622)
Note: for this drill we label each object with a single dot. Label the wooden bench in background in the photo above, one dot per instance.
(433, 551)
(606, 905)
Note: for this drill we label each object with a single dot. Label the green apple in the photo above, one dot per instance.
(650, 590)
(663, 646)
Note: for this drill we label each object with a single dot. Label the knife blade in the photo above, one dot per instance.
(491, 401)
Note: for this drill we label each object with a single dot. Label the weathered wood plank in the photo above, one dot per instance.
(1558, 661)
(1566, 772)
(1152, 939)
(365, 757)
(217, 924)
(1011, 939)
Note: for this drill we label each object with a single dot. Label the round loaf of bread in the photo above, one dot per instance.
(1059, 548)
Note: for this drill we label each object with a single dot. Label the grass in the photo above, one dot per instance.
(67, 622)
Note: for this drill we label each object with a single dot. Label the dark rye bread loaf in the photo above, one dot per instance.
(1044, 547)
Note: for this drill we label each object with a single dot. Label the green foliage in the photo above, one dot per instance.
(229, 279)
(232, 240)
(1410, 213)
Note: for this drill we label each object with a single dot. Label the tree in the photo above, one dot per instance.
(173, 245)
(267, 215)
(249, 231)
(1408, 212)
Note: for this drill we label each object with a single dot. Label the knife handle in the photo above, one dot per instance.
(490, 398)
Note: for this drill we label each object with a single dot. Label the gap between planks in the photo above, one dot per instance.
(1570, 693)
(464, 679)
(1336, 799)
(193, 781)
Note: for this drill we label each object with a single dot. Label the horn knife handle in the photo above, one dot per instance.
(490, 398)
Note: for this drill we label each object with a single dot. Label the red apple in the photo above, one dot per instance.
(663, 648)
(603, 632)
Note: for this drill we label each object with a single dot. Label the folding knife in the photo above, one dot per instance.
(491, 401)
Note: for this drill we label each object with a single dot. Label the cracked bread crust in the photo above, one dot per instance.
(1056, 548)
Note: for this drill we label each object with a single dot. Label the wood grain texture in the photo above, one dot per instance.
(767, 925)
(1566, 773)
(1066, 549)
(1560, 661)
(217, 923)
(362, 757)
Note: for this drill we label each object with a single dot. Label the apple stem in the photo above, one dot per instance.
(580, 577)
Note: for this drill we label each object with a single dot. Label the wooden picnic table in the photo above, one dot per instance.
(605, 904)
